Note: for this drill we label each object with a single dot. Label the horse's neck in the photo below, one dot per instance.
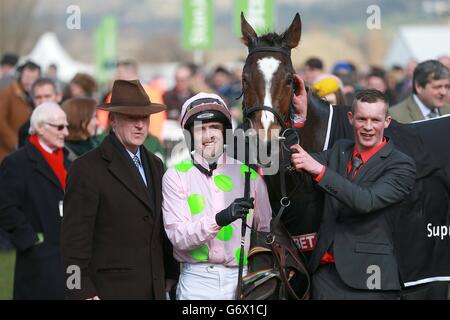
(315, 130)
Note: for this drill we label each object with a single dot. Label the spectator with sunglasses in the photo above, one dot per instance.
(32, 184)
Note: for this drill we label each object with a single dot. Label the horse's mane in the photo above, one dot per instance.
(270, 39)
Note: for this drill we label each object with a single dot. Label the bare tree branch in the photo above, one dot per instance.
(16, 23)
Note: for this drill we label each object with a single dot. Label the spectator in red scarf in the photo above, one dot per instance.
(32, 184)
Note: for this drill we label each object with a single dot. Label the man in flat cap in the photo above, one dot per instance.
(112, 231)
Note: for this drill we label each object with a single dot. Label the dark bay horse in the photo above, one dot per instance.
(268, 88)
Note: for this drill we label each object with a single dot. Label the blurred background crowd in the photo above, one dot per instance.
(29, 85)
(144, 44)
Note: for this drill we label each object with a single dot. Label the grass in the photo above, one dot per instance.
(7, 262)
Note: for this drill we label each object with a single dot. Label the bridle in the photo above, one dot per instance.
(285, 163)
(249, 111)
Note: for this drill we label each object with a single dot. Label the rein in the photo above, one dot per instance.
(285, 163)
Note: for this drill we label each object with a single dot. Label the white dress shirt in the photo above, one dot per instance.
(424, 109)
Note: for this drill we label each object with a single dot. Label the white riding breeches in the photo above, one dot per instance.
(206, 281)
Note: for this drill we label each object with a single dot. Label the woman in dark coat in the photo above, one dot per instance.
(32, 183)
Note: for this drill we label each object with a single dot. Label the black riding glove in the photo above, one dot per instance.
(236, 210)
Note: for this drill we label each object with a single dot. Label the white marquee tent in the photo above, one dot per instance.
(48, 50)
(418, 42)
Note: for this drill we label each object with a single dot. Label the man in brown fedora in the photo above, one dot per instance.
(112, 239)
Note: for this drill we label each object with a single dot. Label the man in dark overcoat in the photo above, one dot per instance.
(32, 182)
(112, 235)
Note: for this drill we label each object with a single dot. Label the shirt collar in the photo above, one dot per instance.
(423, 108)
(46, 147)
(138, 153)
(366, 155)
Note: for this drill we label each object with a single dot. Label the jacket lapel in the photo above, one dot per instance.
(41, 165)
(345, 155)
(445, 110)
(149, 170)
(373, 161)
(124, 171)
(156, 185)
(414, 110)
(344, 159)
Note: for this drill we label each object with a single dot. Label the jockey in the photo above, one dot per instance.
(203, 203)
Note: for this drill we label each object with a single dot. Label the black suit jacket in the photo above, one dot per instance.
(112, 229)
(30, 194)
(356, 219)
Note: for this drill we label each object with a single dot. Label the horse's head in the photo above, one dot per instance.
(267, 77)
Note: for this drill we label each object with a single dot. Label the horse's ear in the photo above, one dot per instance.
(248, 33)
(291, 36)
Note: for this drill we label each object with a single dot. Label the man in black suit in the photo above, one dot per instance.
(364, 183)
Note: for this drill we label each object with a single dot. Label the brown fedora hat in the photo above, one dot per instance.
(129, 97)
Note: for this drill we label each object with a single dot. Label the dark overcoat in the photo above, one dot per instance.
(112, 227)
(31, 203)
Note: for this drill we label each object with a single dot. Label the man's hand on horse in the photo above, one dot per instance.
(301, 160)
(300, 98)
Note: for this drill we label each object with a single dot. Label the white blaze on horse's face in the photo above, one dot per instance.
(268, 67)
